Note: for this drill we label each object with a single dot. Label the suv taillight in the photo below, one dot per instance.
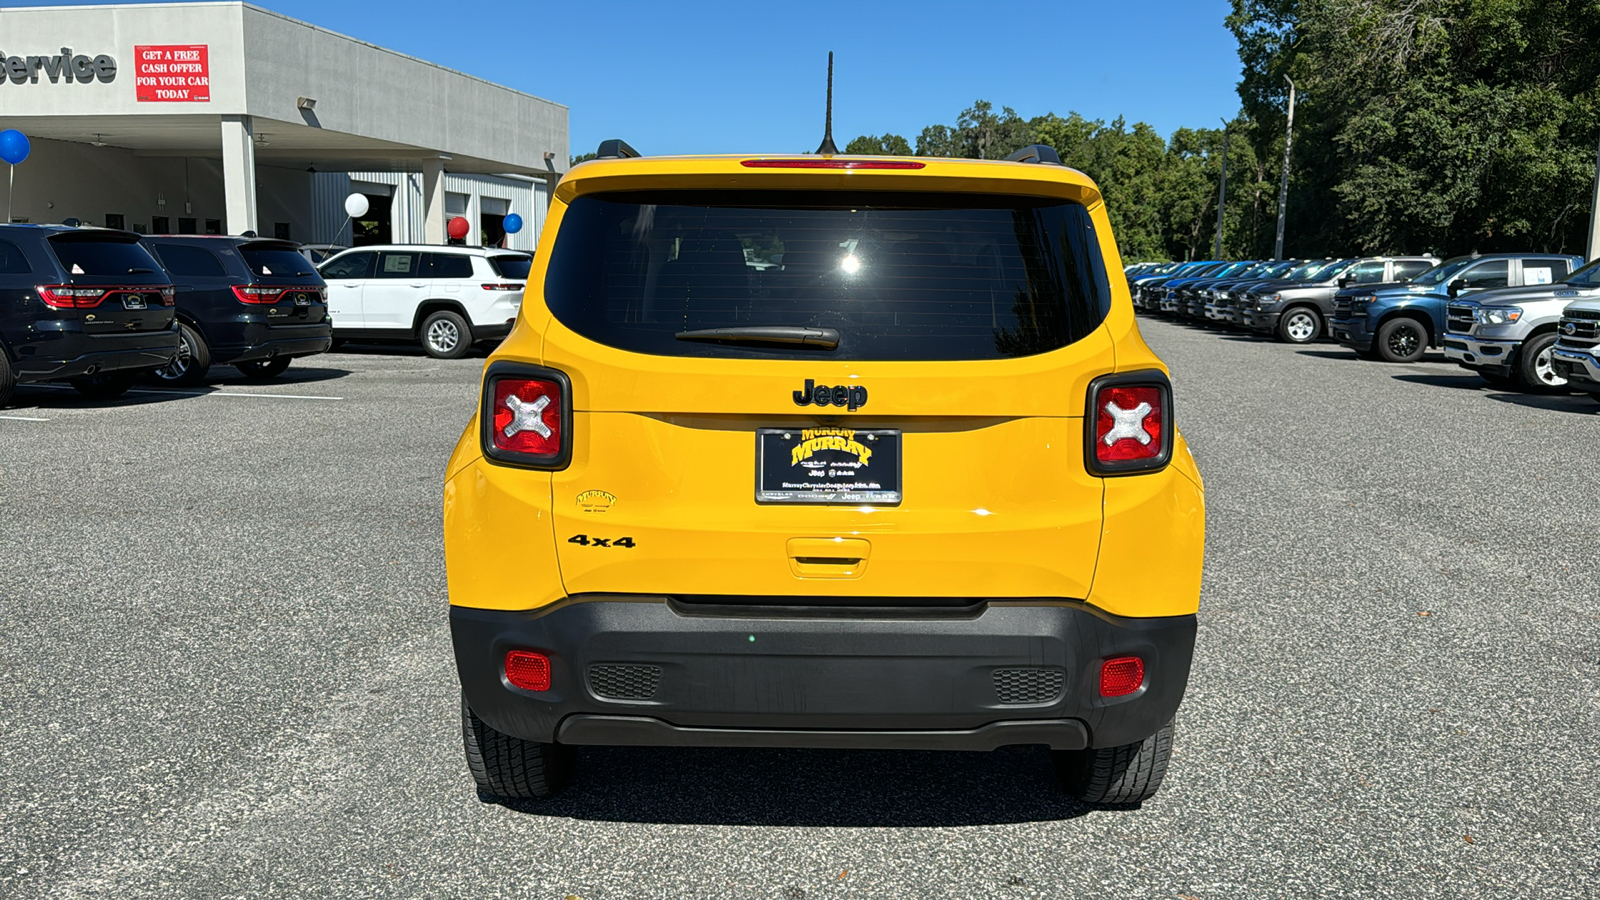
(502, 287)
(169, 295)
(65, 296)
(1128, 423)
(255, 293)
(526, 418)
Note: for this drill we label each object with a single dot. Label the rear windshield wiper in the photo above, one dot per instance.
(138, 271)
(823, 338)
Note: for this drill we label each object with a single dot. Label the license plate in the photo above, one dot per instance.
(133, 302)
(828, 465)
(302, 299)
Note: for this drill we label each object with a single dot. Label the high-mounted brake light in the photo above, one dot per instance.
(1128, 423)
(528, 670)
(1121, 676)
(824, 163)
(527, 416)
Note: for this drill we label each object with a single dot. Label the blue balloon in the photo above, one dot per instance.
(512, 224)
(13, 146)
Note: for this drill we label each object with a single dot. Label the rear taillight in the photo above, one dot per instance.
(527, 416)
(169, 295)
(826, 163)
(528, 670)
(65, 296)
(1128, 423)
(1121, 676)
(255, 293)
(502, 287)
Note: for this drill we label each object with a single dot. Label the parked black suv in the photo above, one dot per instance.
(88, 306)
(247, 302)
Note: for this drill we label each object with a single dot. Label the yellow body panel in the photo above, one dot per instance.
(663, 453)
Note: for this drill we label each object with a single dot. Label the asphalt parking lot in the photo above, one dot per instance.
(227, 670)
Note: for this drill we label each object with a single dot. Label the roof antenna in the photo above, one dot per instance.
(827, 129)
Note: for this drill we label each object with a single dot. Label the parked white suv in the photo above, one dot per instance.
(446, 297)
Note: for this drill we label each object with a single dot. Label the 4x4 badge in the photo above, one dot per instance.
(852, 396)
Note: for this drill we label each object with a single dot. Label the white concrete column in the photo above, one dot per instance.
(433, 201)
(239, 173)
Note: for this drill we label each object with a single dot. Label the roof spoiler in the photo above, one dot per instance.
(1036, 153)
(616, 148)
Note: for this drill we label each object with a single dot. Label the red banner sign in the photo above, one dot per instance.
(179, 73)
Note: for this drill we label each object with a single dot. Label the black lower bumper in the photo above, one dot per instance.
(651, 671)
(150, 350)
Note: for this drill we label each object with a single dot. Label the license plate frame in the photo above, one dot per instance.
(852, 466)
(134, 301)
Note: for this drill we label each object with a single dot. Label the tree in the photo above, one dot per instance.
(886, 145)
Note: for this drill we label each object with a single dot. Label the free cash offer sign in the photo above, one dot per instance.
(176, 73)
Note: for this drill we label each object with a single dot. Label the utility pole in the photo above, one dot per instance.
(1222, 190)
(1592, 247)
(1283, 189)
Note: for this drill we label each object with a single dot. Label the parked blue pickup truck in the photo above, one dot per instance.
(1399, 322)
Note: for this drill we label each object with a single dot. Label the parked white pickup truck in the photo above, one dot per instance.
(1509, 335)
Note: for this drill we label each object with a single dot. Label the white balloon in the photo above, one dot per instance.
(356, 205)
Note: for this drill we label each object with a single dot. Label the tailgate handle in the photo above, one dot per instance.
(834, 557)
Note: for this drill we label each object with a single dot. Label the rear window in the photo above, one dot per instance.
(276, 263)
(103, 260)
(901, 276)
(190, 261)
(511, 266)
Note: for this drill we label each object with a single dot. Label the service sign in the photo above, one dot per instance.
(173, 73)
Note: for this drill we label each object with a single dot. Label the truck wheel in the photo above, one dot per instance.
(107, 386)
(8, 379)
(445, 335)
(1535, 374)
(1401, 341)
(263, 369)
(1116, 775)
(1300, 325)
(189, 367)
(511, 768)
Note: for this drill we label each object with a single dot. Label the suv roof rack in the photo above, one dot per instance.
(1036, 153)
(616, 148)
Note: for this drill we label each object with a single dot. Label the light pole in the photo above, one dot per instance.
(1283, 189)
(1222, 190)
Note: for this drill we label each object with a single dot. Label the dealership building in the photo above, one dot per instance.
(225, 118)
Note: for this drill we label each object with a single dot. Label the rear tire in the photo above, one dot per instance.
(1121, 775)
(511, 768)
(191, 364)
(1534, 372)
(445, 335)
(1401, 340)
(8, 379)
(263, 369)
(108, 386)
(1300, 325)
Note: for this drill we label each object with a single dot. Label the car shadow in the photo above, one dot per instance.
(399, 348)
(810, 788)
(1329, 354)
(1460, 382)
(231, 377)
(1568, 403)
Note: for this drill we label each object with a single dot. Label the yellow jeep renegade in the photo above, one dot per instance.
(824, 451)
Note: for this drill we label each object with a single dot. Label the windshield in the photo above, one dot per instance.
(1588, 276)
(1278, 270)
(1304, 271)
(1443, 271)
(904, 275)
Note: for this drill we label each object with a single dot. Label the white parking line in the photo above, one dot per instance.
(24, 418)
(60, 387)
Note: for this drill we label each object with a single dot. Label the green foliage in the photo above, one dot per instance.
(1444, 125)
(582, 157)
(886, 145)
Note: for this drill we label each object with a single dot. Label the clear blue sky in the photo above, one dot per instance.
(743, 77)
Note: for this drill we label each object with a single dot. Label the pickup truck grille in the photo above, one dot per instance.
(1579, 329)
(1460, 319)
(1342, 307)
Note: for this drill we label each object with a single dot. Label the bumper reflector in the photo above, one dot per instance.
(528, 670)
(1118, 677)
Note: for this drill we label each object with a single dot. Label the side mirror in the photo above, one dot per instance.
(1456, 286)
(1344, 281)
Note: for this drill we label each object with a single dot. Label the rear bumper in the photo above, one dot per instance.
(256, 336)
(757, 675)
(53, 355)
